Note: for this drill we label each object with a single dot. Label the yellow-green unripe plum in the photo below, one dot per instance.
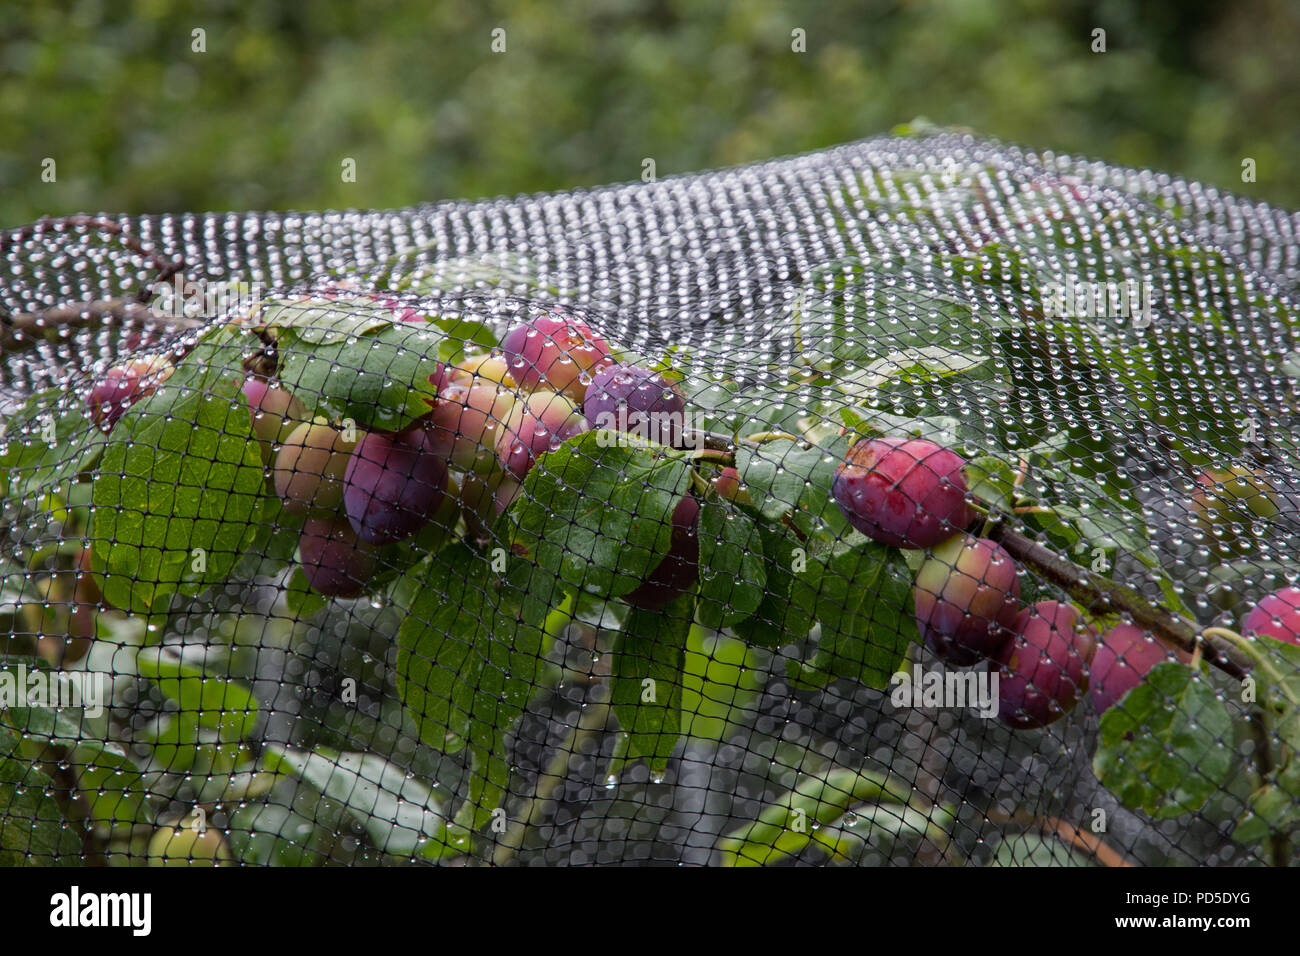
(310, 466)
(187, 846)
(275, 413)
(489, 367)
(967, 594)
(467, 421)
(1226, 502)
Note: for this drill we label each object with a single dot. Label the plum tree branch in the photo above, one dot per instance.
(1102, 596)
(1096, 594)
(21, 329)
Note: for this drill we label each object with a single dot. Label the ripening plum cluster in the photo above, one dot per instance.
(912, 493)
(494, 414)
(553, 378)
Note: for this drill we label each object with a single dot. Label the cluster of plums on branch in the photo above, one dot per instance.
(494, 414)
(357, 492)
(912, 493)
(553, 378)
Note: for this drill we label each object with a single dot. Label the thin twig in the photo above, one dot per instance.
(1090, 843)
(24, 328)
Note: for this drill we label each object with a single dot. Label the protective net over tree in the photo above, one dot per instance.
(921, 501)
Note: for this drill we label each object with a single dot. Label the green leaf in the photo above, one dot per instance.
(31, 467)
(778, 620)
(992, 481)
(379, 380)
(437, 667)
(489, 776)
(821, 800)
(398, 813)
(922, 364)
(33, 831)
(111, 784)
(300, 599)
(470, 651)
(1166, 747)
(176, 488)
(646, 682)
(109, 781)
(1273, 808)
(599, 518)
(720, 680)
(785, 476)
(323, 320)
(1032, 849)
(61, 726)
(213, 702)
(732, 570)
(268, 834)
(863, 599)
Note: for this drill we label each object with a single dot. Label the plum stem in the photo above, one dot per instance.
(710, 440)
(1102, 596)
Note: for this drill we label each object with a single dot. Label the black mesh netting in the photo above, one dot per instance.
(311, 559)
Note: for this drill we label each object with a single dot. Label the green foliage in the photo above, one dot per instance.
(732, 572)
(218, 704)
(646, 681)
(720, 679)
(469, 655)
(1274, 808)
(399, 814)
(179, 480)
(138, 121)
(862, 597)
(32, 467)
(476, 623)
(600, 518)
(1165, 748)
(1032, 849)
(813, 813)
(33, 831)
(788, 477)
(379, 378)
(777, 619)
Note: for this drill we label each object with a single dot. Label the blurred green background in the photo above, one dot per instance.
(586, 89)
